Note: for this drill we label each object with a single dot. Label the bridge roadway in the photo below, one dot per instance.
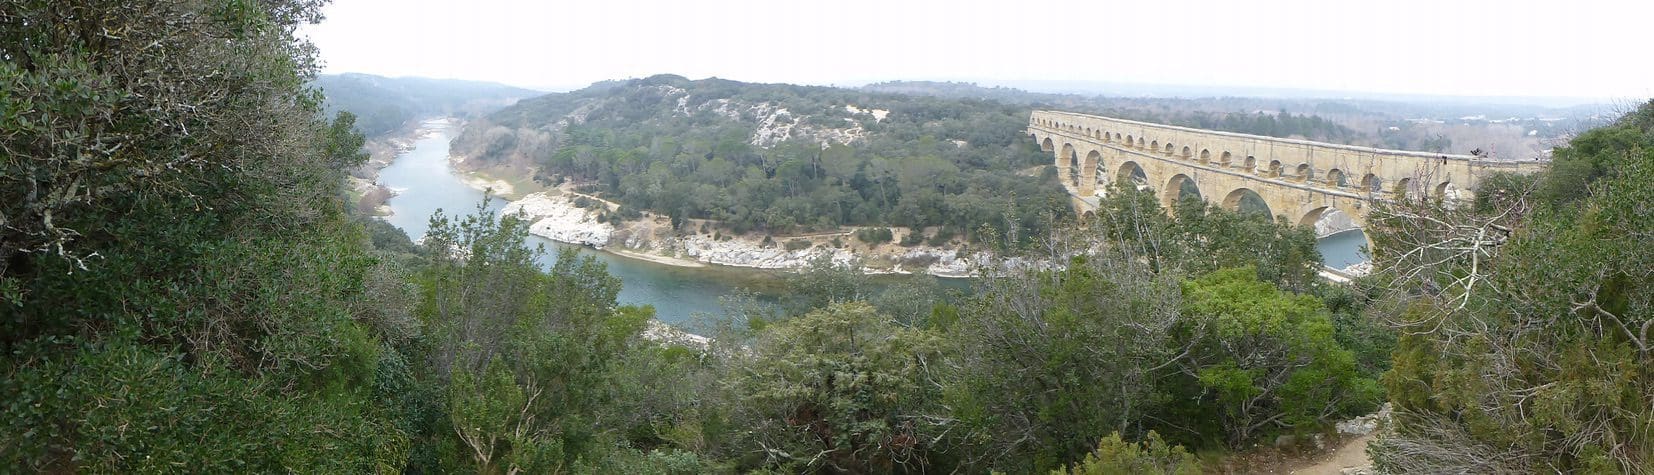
(1299, 180)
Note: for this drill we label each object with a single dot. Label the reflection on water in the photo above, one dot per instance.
(1340, 250)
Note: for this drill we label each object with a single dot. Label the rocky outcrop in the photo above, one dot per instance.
(742, 253)
(1366, 424)
(666, 335)
(555, 217)
(558, 219)
(1333, 223)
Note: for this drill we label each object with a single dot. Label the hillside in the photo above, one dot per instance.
(780, 158)
(383, 104)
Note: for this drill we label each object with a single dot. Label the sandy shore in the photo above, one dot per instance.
(483, 183)
(655, 258)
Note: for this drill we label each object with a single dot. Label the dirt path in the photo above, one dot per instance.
(1352, 454)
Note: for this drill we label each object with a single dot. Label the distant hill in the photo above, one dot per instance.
(780, 157)
(384, 104)
(967, 90)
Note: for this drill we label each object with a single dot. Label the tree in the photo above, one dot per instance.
(1526, 320)
(531, 355)
(179, 280)
(1200, 238)
(1050, 361)
(90, 123)
(495, 420)
(1261, 360)
(845, 389)
(825, 282)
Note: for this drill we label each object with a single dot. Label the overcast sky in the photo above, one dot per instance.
(1561, 48)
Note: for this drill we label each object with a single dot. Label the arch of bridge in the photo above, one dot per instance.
(1297, 179)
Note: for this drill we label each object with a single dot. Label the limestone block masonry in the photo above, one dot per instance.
(1299, 180)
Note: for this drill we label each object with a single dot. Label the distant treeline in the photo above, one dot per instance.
(384, 104)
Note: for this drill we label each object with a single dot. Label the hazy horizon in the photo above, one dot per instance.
(1126, 89)
(1585, 50)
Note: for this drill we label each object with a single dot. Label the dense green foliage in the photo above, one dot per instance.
(1052, 361)
(1263, 359)
(384, 104)
(180, 280)
(842, 387)
(1201, 238)
(528, 357)
(1526, 345)
(1152, 457)
(182, 286)
(751, 155)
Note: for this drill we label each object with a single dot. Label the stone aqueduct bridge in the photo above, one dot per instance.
(1297, 179)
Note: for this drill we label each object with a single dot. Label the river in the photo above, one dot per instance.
(1342, 249)
(425, 182)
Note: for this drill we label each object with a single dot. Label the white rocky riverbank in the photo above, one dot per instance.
(1334, 223)
(554, 216)
(558, 219)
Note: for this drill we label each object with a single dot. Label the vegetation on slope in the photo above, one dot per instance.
(783, 158)
(383, 105)
(179, 282)
(1526, 318)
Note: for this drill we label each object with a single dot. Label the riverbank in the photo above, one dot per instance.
(564, 215)
(557, 214)
(428, 183)
(366, 193)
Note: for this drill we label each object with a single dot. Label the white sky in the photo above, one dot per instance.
(1561, 48)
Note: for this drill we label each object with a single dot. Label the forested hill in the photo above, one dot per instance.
(780, 157)
(383, 104)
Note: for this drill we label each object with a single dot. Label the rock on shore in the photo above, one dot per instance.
(558, 219)
(740, 253)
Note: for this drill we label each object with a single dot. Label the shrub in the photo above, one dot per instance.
(626, 213)
(942, 237)
(913, 238)
(875, 236)
(797, 244)
(369, 204)
(919, 262)
(1152, 456)
(1261, 353)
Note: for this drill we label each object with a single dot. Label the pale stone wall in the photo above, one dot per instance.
(1299, 180)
